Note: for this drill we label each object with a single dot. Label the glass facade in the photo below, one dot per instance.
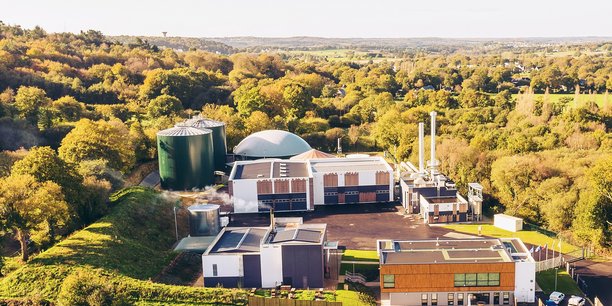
(476, 279)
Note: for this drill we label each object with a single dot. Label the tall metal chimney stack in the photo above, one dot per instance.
(433, 163)
(421, 147)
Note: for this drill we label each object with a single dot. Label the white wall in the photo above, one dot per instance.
(524, 281)
(508, 223)
(317, 182)
(367, 178)
(271, 257)
(245, 196)
(227, 265)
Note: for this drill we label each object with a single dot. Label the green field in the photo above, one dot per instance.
(342, 55)
(583, 98)
(532, 237)
(360, 255)
(565, 284)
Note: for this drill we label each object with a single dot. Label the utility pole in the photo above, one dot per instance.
(174, 208)
(556, 274)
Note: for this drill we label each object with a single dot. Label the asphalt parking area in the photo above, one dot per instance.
(356, 226)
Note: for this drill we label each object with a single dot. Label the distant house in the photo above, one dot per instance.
(428, 87)
(265, 257)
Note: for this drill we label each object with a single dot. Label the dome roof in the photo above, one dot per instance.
(272, 143)
(201, 122)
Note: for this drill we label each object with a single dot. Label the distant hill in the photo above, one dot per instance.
(179, 43)
(307, 42)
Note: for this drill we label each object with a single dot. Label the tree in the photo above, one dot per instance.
(248, 99)
(44, 164)
(28, 101)
(108, 140)
(594, 208)
(257, 121)
(164, 105)
(25, 211)
(68, 108)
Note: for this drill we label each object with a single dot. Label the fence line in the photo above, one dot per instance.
(262, 301)
(551, 263)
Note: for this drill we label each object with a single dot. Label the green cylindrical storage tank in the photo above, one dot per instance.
(219, 139)
(185, 159)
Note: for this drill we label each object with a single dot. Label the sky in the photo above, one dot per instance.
(321, 18)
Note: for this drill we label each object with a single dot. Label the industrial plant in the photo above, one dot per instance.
(277, 171)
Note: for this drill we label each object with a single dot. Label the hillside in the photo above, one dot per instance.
(121, 251)
(178, 43)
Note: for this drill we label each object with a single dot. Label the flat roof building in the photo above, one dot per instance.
(290, 185)
(453, 271)
(289, 253)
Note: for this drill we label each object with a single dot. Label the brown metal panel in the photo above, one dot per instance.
(382, 178)
(436, 209)
(330, 180)
(298, 186)
(281, 186)
(440, 277)
(264, 187)
(341, 197)
(311, 191)
(230, 188)
(462, 207)
(351, 179)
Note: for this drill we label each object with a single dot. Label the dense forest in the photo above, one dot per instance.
(80, 111)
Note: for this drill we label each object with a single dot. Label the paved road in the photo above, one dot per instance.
(357, 226)
(598, 278)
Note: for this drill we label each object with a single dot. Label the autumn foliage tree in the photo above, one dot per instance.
(28, 210)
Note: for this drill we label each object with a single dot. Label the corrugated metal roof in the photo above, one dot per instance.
(201, 122)
(180, 130)
(272, 143)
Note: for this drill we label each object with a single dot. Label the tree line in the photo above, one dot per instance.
(85, 110)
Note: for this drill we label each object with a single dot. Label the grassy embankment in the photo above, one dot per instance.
(565, 283)
(118, 255)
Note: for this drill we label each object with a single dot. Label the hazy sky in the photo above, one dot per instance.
(326, 18)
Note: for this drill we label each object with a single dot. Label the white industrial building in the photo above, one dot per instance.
(290, 185)
(431, 194)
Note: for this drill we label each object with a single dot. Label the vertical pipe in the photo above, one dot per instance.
(421, 147)
(433, 138)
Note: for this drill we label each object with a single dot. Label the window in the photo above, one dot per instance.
(495, 298)
(451, 299)
(476, 279)
(459, 280)
(493, 279)
(388, 281)
(424, 299)
(434, 299)
(482, 279)
(215, 270)
(459, 298)
(470, 279)
(506, 298)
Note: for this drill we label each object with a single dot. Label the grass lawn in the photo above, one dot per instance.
(565, 284)
(349, 298)
(531, 237)
(597, 98)
(360, 255)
